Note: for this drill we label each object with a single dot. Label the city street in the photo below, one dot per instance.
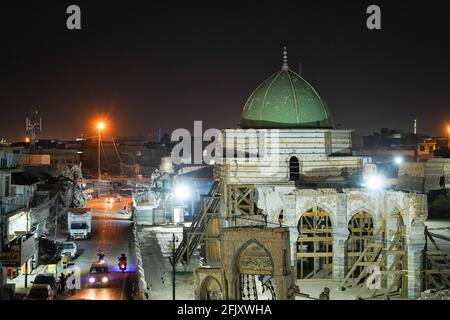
(111, 233)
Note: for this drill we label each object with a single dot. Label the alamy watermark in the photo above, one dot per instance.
(73, 281)
(373, 22)
(73, 22)
(249, 145)
(374, 279)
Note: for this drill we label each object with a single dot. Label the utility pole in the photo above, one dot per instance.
(100, 127)
(98, 155)
(173, 263)
(26, 263)
(56, 214)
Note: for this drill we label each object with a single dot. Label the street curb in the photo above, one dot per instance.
(142, 291)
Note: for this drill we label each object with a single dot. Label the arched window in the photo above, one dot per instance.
(294, 169)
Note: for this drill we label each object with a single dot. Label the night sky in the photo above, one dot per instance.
(146, 65)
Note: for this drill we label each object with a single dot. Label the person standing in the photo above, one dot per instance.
(281, 218)
(442, 182)
(72, 283)
(325, 295)
(62, 283)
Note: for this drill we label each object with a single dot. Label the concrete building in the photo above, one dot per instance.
(14, 215)
(288, 208)
(24, 211)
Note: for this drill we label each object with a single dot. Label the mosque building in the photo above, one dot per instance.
(292, 207)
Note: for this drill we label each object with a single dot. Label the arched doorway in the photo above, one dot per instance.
(315, 245)
(211, 289)
(294, 169)
(255, 267)
(361, 233)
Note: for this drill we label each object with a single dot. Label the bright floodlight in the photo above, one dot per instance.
(374, 182)
(100, 125)
(398, 160)
(182, 192)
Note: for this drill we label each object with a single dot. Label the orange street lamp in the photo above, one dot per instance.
(101, 125)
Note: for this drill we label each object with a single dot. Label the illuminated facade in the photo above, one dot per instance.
(287, 171)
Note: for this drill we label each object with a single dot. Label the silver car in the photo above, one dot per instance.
(40, 292)
(98, 275)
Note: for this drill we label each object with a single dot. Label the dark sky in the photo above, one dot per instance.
(165, 64)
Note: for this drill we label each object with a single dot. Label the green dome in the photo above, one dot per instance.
(285, 100)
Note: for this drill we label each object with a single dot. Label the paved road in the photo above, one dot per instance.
(111, 233)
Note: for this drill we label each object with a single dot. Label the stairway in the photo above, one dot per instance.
(194, 235)
(369, 257)
(376, 255)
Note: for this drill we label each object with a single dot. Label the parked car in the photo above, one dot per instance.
(98, 274)
(47, 278)
(69, 248)
(40, 292)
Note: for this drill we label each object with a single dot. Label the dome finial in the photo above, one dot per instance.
(285, 59)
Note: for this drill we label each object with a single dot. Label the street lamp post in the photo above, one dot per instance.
(100, 127)
(448, 137)
(173, 263)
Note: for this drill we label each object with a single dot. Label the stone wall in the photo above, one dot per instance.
(434, 169)
(262, 156)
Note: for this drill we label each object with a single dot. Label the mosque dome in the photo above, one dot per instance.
(285, 100)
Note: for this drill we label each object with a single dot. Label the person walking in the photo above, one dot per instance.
(62, 283)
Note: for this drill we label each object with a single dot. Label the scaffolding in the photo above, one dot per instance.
(315, 245)
(361, 234)
(197, 233)
(380, 269)
(241, 200)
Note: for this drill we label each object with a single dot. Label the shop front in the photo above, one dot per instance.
(18, 255)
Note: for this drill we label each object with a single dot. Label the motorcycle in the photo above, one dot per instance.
(122, 264)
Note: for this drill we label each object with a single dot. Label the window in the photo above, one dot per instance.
(7, 182)
(294, 169)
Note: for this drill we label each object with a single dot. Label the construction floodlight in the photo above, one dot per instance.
(182, 192)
